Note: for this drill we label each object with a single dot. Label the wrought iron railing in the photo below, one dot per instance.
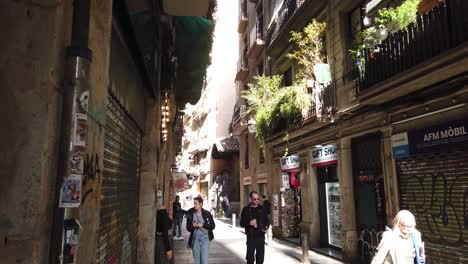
(287, 10)
(443, 28)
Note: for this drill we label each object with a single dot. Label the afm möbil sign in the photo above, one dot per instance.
(446, 137)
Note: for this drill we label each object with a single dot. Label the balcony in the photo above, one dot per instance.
(242, 69)
(442, 29)
(287, 10)
(257, 41)
(239, 121)
(243, 18)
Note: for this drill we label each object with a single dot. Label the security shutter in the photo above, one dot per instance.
(117, 241)
(435, 189)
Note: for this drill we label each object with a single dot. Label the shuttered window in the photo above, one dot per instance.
(435, 189)
(117, 242)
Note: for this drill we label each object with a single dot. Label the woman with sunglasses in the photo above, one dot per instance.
(200, 224)
(402, 244)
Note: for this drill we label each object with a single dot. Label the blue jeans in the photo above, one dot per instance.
(178, 225)
(201, 249)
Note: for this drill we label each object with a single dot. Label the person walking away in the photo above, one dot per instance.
(266, 205)
(401, 244)
(225, 205)
(256, 223)
(164, 254)
(267, 209)
(178, 215)
(200, 224)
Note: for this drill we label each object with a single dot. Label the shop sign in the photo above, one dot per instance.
(285, 178)
(446, 137)
(290, 163)
(247, 180)
(400, 146)
(324, 155)
(275, 210)
(180, 181)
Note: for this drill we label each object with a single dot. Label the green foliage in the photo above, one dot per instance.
(308, 48)
(390, 19)
(273, 105)
(400, 17)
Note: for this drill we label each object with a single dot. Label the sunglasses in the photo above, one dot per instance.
(255, 199)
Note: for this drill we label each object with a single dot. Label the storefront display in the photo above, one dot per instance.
(323, 160)
(290, 198)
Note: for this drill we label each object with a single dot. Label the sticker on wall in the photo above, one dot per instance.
(70, 194)
(77, 162)
(79, 133)
(83, 101)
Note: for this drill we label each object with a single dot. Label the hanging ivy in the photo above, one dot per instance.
(273, 105)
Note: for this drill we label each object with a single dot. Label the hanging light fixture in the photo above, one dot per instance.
(165, 117)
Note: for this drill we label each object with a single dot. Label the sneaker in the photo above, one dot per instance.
(181, 238)
(175, 238)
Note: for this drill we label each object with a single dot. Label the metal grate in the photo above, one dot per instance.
(435, 189)
(117, 242)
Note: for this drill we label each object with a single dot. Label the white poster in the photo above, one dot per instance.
(285, 178)
(332, 190)
(79, 133)
(275, 210)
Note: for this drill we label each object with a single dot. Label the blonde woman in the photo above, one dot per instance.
(402, 244)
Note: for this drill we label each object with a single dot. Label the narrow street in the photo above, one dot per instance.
(228, 247)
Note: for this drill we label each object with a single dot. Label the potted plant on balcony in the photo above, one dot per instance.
(309, 54)
(274, 106)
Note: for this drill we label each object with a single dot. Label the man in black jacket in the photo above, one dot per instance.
(178, 216)
(256, 223)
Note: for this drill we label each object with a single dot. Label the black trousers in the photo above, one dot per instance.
(255, 250)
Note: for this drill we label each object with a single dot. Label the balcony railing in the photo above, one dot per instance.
(242, 69)
(238, 117)
(435, 32)
(257, 41)
(243, 17)
(287, 10)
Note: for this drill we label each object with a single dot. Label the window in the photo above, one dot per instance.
(246, 153)
(261, 155)
(260, 69)
(355, 25)
(287, 77)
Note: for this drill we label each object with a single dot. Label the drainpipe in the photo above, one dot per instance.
(74, 108)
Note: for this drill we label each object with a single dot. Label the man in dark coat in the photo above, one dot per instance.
(178, 215)
(256, 223)
(164, 252)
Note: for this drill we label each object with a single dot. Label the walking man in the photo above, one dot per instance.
(256, 223)
(178, 215)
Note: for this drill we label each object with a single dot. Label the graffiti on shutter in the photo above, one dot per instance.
(435, 189)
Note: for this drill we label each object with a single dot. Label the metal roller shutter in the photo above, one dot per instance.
(120, 188)
(435, 189)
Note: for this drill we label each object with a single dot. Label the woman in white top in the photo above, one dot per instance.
(401, 244)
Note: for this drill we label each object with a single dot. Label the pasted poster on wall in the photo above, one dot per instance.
(334, 213)
(79, 132)
(275, 210)
(70, 194)
(71, 236)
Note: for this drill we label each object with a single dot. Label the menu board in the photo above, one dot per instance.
(333, 213)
